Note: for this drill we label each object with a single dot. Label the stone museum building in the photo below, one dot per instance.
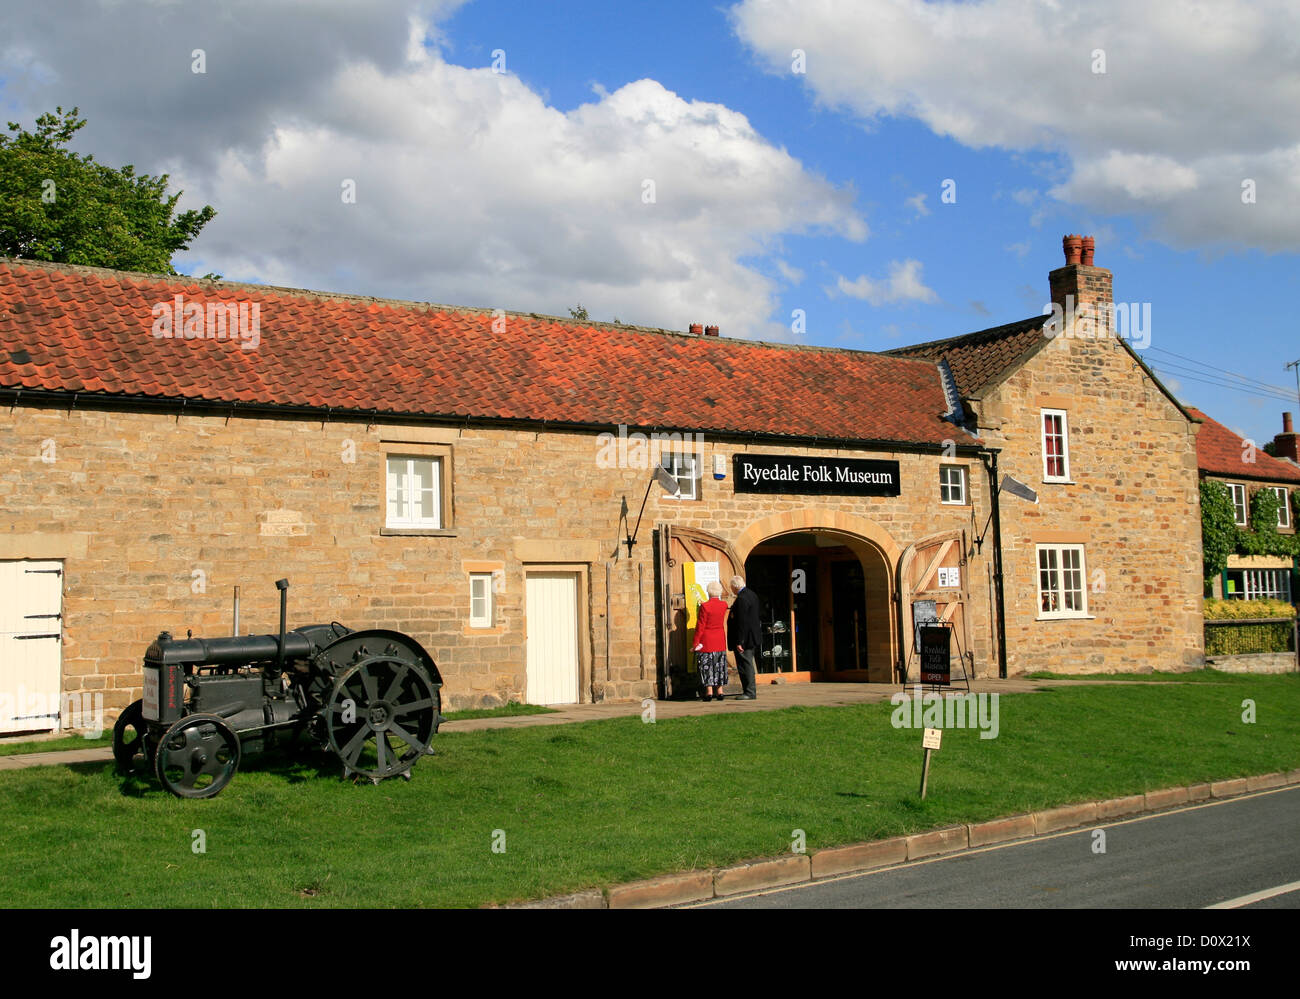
(486, 482)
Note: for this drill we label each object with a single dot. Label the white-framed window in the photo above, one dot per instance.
(414, 491)
(1056, 446)
(1259, 584)
(1241, 512)
(685, 469)
(952, 484)
(1061, 590)
(1283, 507)
(480, 600)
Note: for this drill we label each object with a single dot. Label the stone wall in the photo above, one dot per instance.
(1133, 504)
(159, 515)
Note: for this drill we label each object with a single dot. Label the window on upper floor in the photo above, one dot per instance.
(1056, 446)
(952, 484)
(1240, 510)
(1283, 507)
(685, 469)
(414, 491)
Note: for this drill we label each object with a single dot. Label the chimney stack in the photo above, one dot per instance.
(710, 331)
(1285, 443)
(1082, 290)
(697, 329)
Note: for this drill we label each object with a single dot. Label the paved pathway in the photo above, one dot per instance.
(770, 697)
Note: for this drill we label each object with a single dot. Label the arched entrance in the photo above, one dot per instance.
(826, 581)
(848, 600)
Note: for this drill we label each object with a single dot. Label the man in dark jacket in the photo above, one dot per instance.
(743, 635)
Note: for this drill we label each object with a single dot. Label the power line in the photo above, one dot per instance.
(1182, 376)
(1219, 372)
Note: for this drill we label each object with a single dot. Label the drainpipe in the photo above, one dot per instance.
(994, 489)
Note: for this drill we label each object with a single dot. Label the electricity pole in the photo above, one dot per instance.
(1296, 365)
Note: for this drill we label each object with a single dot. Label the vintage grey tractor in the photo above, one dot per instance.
(371, 697)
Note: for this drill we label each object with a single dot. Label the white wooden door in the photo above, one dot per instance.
(31, 645)
(552, 638)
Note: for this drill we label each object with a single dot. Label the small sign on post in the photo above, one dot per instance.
(930, 742)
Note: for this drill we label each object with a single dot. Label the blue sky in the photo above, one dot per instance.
(775, 190)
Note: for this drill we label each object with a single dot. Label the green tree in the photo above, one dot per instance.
(1218, 527)
(579, 313)
(56, 205)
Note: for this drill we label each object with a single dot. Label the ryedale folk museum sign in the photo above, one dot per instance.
(797, 473)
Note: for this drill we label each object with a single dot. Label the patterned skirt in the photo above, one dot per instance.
(713, 668)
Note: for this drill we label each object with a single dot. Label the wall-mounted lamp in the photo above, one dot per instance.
(667, 483)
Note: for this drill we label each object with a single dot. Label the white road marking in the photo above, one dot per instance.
(1256, 896)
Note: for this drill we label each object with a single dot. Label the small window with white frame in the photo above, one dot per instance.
(1061, 589)
(683, 468)
(480, 600)
(1240, 511)
(1283, 507)
(952, 484)
(414, 491)
(1056, 446)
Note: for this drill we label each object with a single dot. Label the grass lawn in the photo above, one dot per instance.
(56, 745)
(1206, 675)
(505, 711)
(596, 803)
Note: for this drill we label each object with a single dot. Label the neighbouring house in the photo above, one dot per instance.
(1245, 469)
(474, 478)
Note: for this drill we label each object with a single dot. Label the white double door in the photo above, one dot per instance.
(31, 645)
(552, 637)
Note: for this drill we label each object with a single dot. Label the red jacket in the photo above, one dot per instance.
(711, 625)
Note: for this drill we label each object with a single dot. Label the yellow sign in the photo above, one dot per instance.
(696, 577)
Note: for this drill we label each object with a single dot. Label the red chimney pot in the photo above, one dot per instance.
(1073, 246)
(710, 331)
(697, 329)
(1089, 244)
(1286, 424)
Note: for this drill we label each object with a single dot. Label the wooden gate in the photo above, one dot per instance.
(675, 545)
(935, 568)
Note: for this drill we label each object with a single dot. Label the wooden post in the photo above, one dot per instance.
(925, 773)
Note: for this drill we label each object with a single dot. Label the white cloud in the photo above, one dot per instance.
(792, 274)
(917, 203)
(470, 188)
(1195, 99)
(904, 284)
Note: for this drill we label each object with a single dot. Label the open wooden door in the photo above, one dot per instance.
(935, 568)
(675, 546)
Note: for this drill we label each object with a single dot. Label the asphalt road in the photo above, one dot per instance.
(1191, 858)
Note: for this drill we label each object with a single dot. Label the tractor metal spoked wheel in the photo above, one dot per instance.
(377, 703)
(197, 757)
(131, 750)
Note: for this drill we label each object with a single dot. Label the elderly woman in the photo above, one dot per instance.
(711, 643)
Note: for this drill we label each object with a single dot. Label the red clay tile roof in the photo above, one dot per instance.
(88, 330)
(982, 358)
(1220, 452)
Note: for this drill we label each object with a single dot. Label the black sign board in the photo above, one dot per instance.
(936, 655)
(797, 473)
